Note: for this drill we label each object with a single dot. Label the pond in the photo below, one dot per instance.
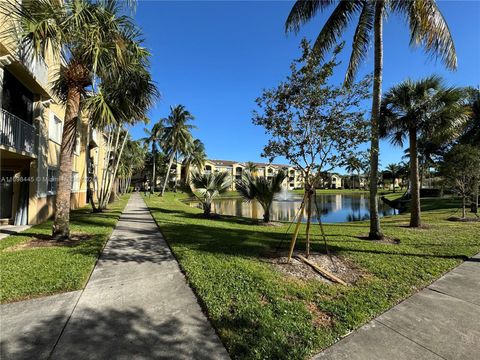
(334, 208)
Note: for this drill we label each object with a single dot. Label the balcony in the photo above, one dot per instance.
(35, 65)
(30, 70)
(16, 133)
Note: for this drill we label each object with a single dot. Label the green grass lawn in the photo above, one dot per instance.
(262, 314)
(32, 272)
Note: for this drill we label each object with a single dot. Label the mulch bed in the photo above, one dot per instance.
(43, 241)
(340, 267)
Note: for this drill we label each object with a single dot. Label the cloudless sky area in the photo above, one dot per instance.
(216, 57)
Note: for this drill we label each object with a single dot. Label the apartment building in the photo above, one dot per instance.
(31, 125)
(236, 169)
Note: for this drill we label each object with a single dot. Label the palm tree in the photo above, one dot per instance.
(177, 137)
(153, 139)
(207, 187)
(120, 100)
(427, 28)
(92, 41)
(471, 133)
(427, 109)
(393, 170)
(195, 157)
(132, 160)
(353, 164)
(261, 189)
(251, 167)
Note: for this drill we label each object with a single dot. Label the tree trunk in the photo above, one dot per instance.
(415, 220)
(170, 162)
(176, 172)
(375, 230)
(154, 182)
(207, 209)
(309, 217)
(266, 215)
(464, 205)
(61, 230)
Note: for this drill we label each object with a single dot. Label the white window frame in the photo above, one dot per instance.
(75, 182)
(55, 128)
(78, 139)
(49, 181)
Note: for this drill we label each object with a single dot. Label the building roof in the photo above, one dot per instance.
(231, 163)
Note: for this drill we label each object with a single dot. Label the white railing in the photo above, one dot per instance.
(16, 133)
(35, 65)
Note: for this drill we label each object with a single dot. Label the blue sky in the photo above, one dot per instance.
(215, 57)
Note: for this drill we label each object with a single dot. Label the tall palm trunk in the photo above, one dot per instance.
(153, 171)
(170, 162)
(187, 173)
(375, 231)
(415, 220)
(61, 230)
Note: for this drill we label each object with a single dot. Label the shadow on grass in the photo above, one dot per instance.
(218, 237)
(112, 334)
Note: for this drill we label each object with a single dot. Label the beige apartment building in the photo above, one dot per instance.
(31, 125)
(236, 169)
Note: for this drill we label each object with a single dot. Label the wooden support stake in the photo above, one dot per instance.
(323, 272)
(295, 233)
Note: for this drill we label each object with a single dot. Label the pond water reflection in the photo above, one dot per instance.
(334, 208)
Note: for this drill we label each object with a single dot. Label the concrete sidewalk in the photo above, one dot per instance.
(136, 305)
(440, 322)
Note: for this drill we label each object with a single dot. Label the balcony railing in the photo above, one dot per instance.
(16, 133)
(35, 65)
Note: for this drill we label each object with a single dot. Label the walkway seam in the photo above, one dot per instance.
(406, 337)
(85, 285)
(200, 302)
(449, 295)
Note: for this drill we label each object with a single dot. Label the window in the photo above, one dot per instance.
(75, 181)
(55, 128)
(52, 180)
(77, 142)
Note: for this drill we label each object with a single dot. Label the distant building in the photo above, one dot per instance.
(236, 169)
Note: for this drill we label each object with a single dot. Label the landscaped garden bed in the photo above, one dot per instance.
(262, 312)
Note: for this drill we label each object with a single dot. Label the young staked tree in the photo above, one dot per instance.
(261, 189)
(177, 137)
(461, 170)
(312, 123)
(93, 41)
(426, 109)
(427, 28)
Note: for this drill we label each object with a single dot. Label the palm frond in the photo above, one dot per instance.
(361, 41)
(335, 26)
(429, 29)
(303, 11)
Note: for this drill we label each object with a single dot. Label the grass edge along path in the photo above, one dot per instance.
(28, 272)
(260, 313)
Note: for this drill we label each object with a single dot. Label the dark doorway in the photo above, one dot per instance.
(6, 194)
(16, 99)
